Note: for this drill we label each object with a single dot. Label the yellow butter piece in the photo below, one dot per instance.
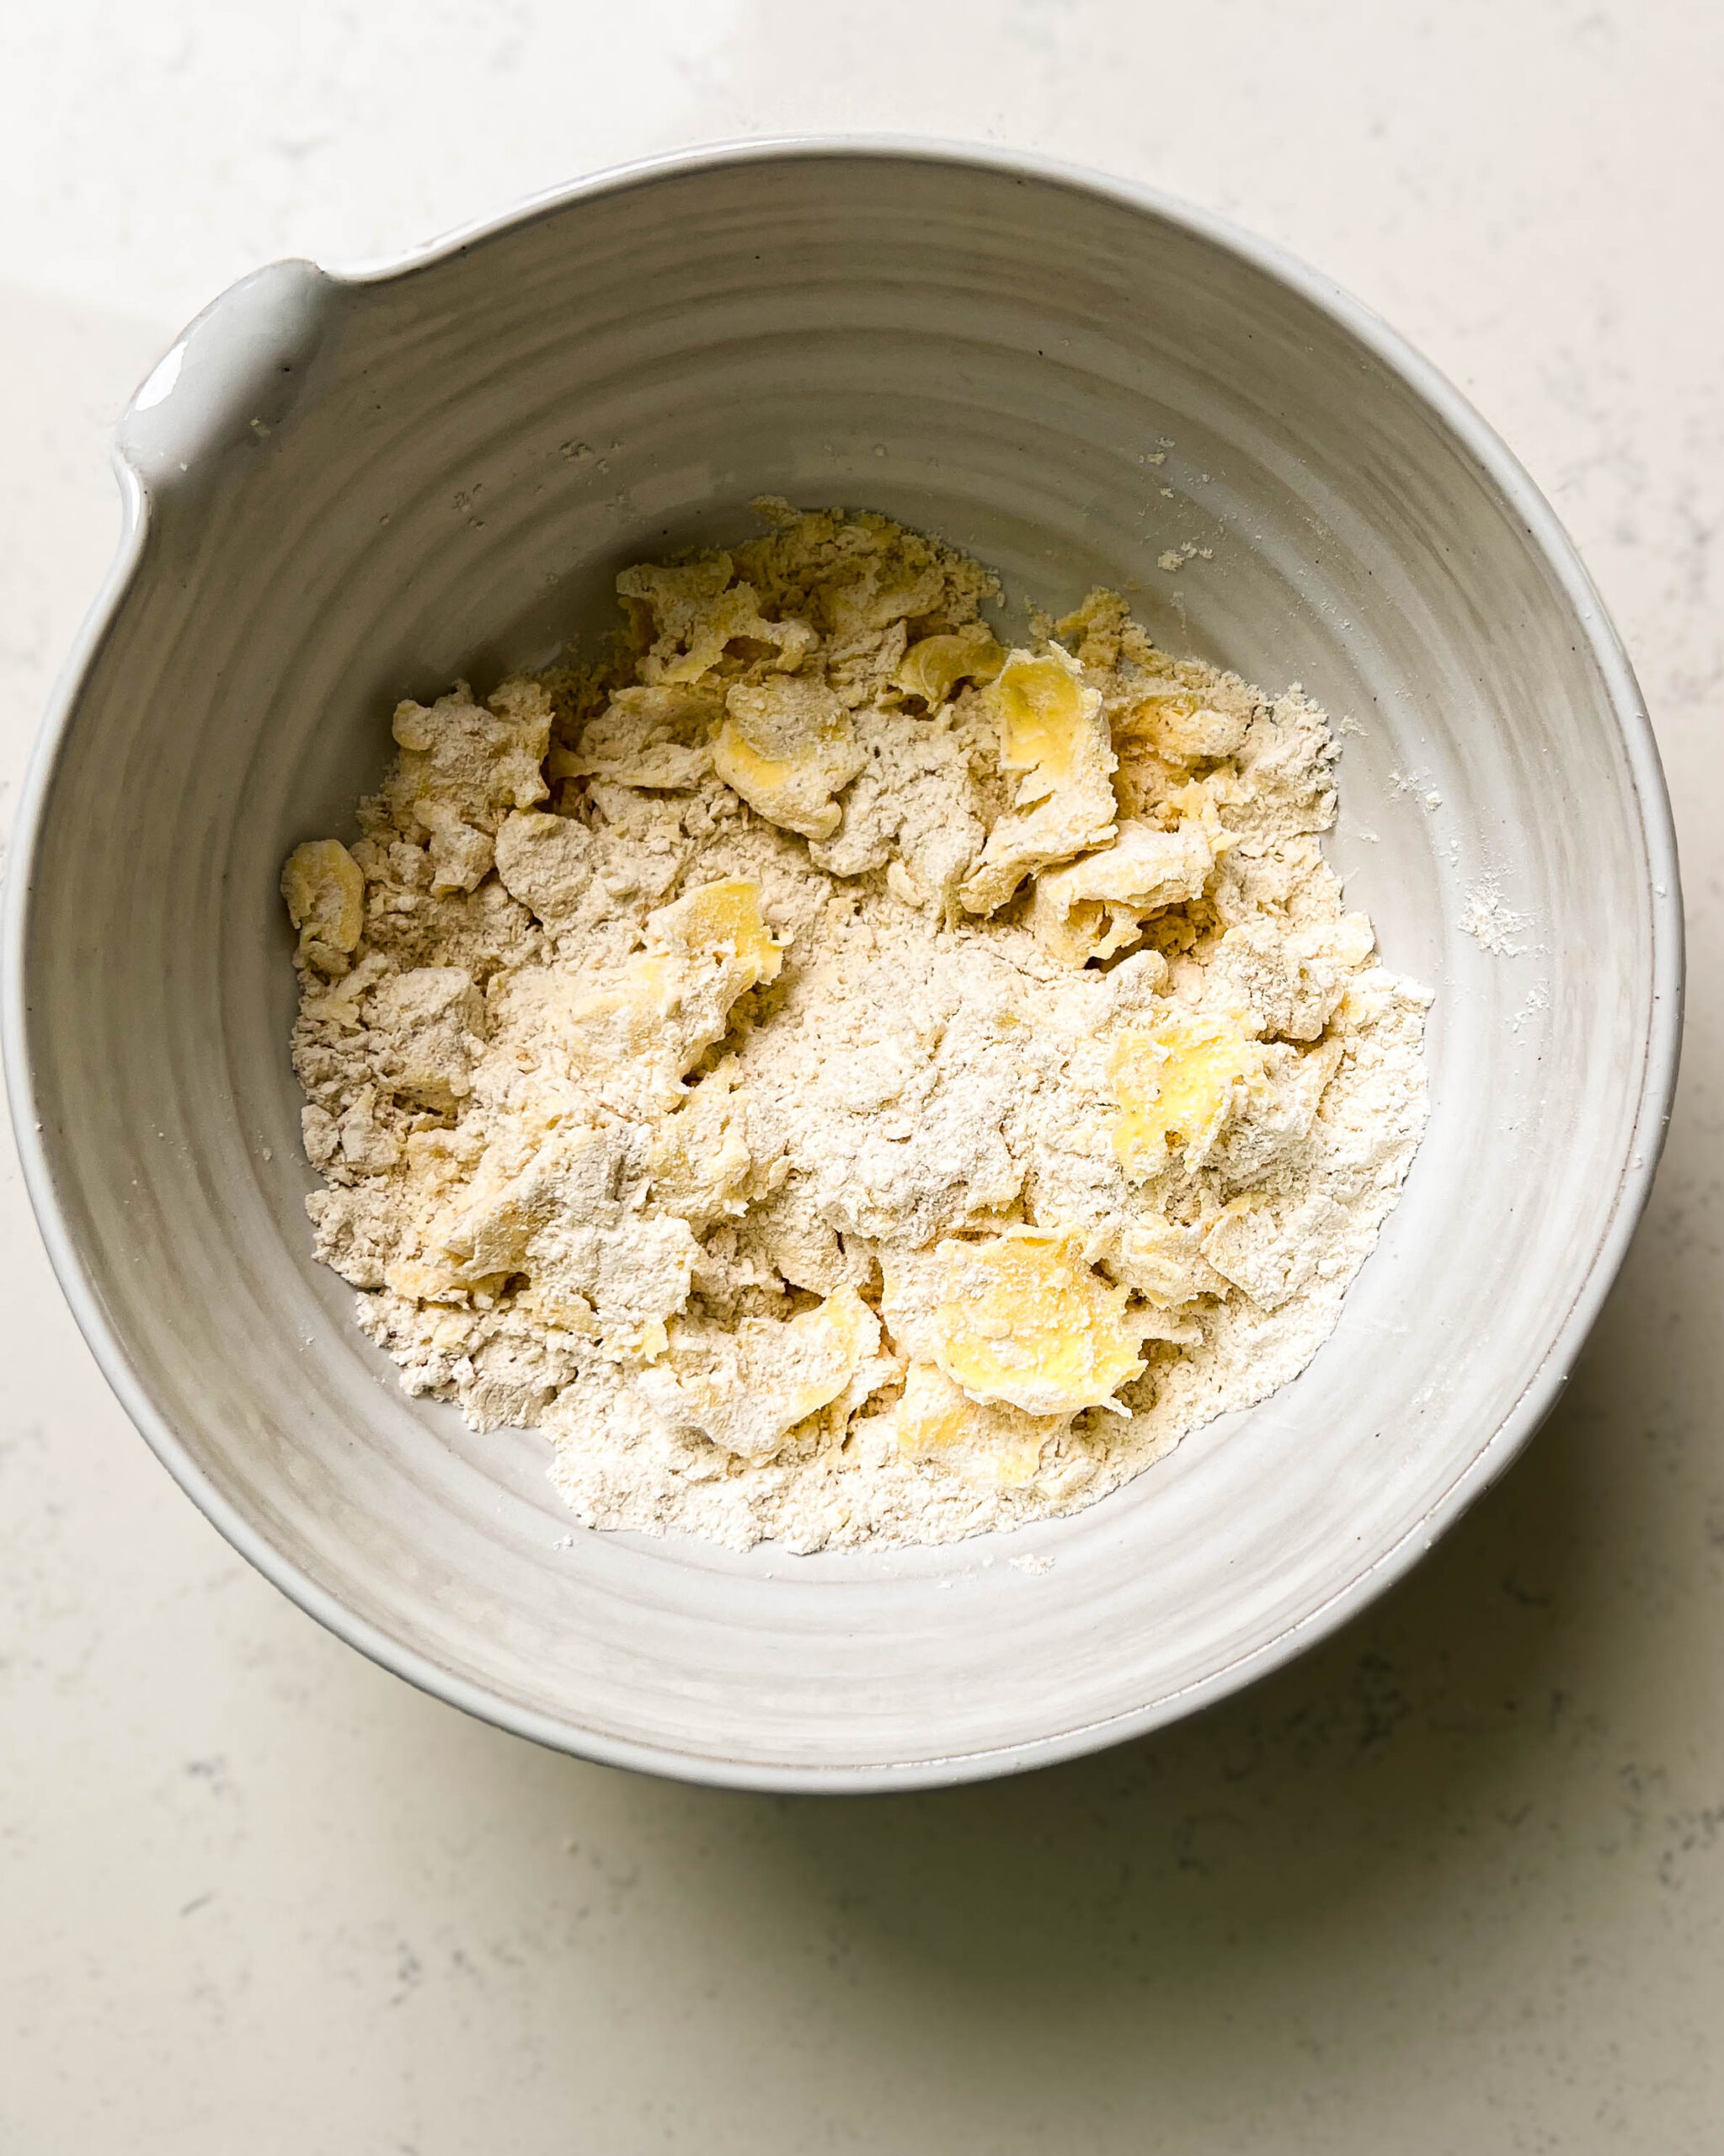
(325, 894)
(756, 1384)
(711, 946)
(932, 668)
(1040, 706)
(786, 746)
(795, 793)
(702, 954)
(1023, 1319)
(716, 929)
(1174, 1085)
(936, 1420)
(1097, 906)
(1051, 729)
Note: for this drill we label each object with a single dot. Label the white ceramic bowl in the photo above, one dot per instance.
(341, 490)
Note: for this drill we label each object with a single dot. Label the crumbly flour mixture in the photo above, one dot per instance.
(837, 1077)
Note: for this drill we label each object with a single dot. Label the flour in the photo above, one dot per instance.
(1492, 922)
(839, 1079)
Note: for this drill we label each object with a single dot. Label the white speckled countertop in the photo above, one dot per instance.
(1454, 1883)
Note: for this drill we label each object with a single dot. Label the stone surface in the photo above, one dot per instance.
(1456, 1882)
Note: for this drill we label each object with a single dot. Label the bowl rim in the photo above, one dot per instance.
(1661, 1048)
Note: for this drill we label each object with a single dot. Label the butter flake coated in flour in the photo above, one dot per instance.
(840, 1076)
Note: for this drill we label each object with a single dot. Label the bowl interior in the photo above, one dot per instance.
(389, 481)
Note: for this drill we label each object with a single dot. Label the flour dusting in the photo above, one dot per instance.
(1492, 922)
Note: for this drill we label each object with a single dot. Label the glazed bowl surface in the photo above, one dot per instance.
(344, 488)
